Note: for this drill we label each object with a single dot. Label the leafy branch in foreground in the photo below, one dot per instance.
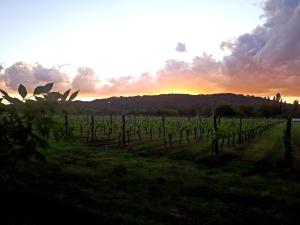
(25, 124)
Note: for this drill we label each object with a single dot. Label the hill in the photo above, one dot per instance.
(174, 104)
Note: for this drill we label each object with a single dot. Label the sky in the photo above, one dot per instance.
(129, 47)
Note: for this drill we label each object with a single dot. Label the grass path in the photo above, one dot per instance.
(296, 142)
(269, 146)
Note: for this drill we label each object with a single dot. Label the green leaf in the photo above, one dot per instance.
(74, 95)
(65, 95)
(3, 92)
(6, 96)
(15, 101)
(38, 99)
(56, 94)
(52, 96)
(47, 87)
(38, 90)
(22, 91)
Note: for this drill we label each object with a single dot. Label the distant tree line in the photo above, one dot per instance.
(270, 108)
(228, 105)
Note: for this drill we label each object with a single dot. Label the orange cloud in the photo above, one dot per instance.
(86, 80)
(175, 77)
(263, 62)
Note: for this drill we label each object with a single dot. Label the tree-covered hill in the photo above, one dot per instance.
(182, 104)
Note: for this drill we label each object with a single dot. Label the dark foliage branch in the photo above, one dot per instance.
(26, 124)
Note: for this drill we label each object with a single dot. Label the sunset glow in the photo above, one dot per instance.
(124, 48)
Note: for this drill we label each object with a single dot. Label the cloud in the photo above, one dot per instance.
(263, 61)
(280, 34)
(86, 80)
(201, 68)
(197, 77)
(180, 47)
(176, 76)
(268, 58)
(32, 75)
(129, 85)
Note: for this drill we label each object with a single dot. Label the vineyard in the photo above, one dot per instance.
(168, 132)
(137, 169)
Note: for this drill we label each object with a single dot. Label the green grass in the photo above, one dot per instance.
(295, 134)
(269, 148)
(147, 184)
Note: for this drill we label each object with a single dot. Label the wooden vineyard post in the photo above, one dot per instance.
(228, 140)
(240, 131)
(187, 132)
(170, 140)
(222, 143)
(164, 129)
(88, 130)
(287, 140)
(159, 131)
(87, 135)
(123, 128)
(199, 125)
(180, 137)
(128, 136)
(215, 124)
(92, 128)
(66, 125)
(111, 125)
(111, 121)
(134, 124)
(80, 130)
(216, 141)
(139, 134)
(289, 127)
(151, 133)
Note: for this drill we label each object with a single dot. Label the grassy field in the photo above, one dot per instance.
(84, 183)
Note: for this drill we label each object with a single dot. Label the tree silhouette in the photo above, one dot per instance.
(295, 107)
(278, 97)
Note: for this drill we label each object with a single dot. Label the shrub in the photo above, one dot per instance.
(25, 124)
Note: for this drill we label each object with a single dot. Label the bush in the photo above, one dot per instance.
(25, 124)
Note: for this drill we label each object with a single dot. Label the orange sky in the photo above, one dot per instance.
(261, 60)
